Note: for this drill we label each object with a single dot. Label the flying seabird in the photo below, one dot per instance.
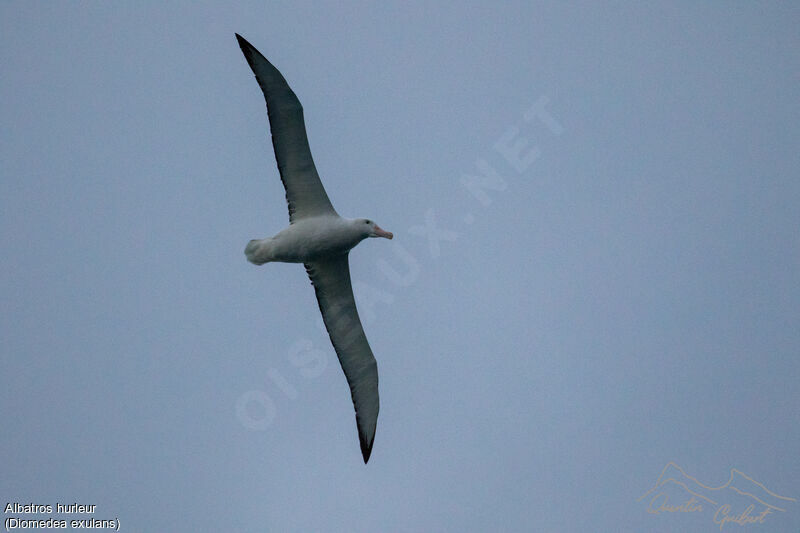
(320, 239)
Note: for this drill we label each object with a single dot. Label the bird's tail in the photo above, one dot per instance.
(256, 252)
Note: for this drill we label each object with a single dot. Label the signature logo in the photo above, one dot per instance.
(741, 500)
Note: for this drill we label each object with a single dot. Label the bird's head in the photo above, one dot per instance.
(370, 229)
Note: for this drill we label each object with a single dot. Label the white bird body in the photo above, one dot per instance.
(312, 238)
(320, 239)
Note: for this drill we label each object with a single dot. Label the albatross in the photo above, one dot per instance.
(320, 239)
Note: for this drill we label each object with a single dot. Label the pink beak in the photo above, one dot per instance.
(381, 233)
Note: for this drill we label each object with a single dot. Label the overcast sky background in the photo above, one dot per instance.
(624, 294)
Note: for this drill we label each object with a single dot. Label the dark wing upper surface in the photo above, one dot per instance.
(331, 280)
(304, 191)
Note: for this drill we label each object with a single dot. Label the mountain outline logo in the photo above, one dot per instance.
(741, 499)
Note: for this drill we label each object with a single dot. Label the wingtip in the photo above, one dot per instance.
(366, 448)
(366, 452)
(243, 44)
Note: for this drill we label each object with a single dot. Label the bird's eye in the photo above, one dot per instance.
(367, 222)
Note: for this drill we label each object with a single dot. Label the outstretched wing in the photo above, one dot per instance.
(304, 191)
(331, 280)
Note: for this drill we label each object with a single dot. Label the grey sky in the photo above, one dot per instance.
(624, 294)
